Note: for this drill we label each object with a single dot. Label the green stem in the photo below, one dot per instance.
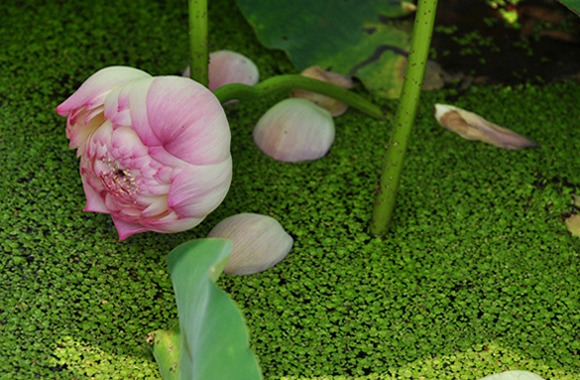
(198, 58)
(282, 83)
(404, 118)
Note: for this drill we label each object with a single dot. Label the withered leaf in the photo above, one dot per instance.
(471, 126)
(333, 106)
(573, 224)
(576, 200)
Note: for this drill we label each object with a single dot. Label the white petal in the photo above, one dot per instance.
(295, 130)
(260, 242)
(227, 67)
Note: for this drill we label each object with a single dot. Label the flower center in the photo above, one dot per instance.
(119, 181)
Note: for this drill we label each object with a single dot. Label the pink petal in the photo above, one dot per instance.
(157, 206)
(295, 130)
(185, 118)
(116, 106)
(95, 202)
(172, 224)
(260, 242)
(93, 91)
(78, 132)
(126, 229)
(198, 190)
(227, 67)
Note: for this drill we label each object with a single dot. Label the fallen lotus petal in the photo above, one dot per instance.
(573, 224)
(260, 242)
(155, 151)
(227, 67)
(295, 130)
(513, 375)
(473, 127)
(335, 107)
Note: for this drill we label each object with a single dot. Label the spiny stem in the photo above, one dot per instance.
(198, 58)
(404, 118)
(282, 83)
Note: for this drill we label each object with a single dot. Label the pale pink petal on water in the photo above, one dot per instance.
(295, 130)
(227, 67)
(260, 242)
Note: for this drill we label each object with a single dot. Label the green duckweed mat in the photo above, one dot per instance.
(478, 274)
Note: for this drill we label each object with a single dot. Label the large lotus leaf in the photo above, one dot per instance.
(356, 38)
(573, 5)
(214, 338)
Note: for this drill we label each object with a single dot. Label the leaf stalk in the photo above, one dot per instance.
(384, 204)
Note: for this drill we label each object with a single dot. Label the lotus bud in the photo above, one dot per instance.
(335, 107)
(155, 151)
(260, 242)
(295, 130)
(471, 126)
(227, 67)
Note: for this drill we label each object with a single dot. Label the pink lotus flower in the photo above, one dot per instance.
(155, 151)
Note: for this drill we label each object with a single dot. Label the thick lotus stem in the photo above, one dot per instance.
(391, 175)
(198, 55)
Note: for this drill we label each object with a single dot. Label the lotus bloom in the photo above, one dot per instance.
(260, 242)
(155, 151)
(295, 130)
(227, 67)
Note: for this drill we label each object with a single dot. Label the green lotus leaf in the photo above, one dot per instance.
(573, 5)
(356, 38)
(212, 335)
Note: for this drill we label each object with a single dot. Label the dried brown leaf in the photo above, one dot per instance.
(576, 200)
(471, 126)
(333, 106)
(573, 224)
